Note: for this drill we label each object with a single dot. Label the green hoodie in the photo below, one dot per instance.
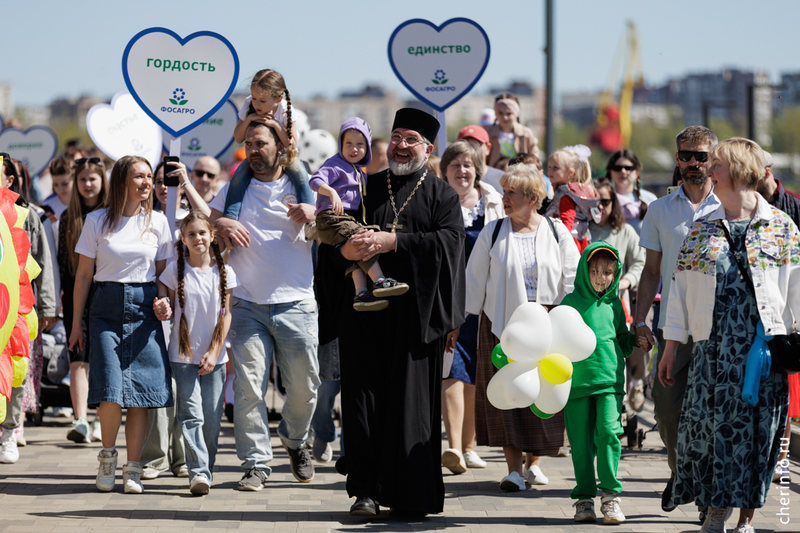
(604, 371)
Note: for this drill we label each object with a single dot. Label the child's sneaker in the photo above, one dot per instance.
(389, 287)
(97, 434)
(80, 431)
(612, 514)
(199, 485)
(365, 301)
(132, 478)
(584, 511)
(106, 473)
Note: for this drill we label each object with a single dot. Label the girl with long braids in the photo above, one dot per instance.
(200, 284)
(266, 105)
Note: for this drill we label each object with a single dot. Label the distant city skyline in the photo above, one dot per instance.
(56, 50)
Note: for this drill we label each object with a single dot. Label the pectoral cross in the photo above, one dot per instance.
(394, 226)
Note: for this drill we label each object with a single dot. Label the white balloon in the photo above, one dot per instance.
(527, 335)
(520, 383)
(553, 398)
(571, 336)
(300, 120)
(496, 394)
(316, 147)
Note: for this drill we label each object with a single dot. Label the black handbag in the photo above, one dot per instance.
(784, 349)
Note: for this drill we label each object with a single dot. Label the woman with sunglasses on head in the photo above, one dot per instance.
(26, 397)
(89, 192)
(613, 229)
(624, 170)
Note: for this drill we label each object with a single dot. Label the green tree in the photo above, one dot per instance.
(786, 132)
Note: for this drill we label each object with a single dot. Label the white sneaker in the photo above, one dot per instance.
(9, 453)
(150, 473)
(80, 431)
(106, 473)
(131, 478)
(584, 511)
(534, 476)
(745, 528)
(20, 434)
(512, 483)
(472, 460)
(199, 485)
(62, 412)
(612, 514)
(454, 461)
(96, 434)
(715, 520)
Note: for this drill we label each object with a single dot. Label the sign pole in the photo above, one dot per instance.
(172, 192)
(442, 136)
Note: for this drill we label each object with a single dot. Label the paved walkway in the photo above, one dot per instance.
(51, 488)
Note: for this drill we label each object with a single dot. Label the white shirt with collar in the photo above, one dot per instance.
(664, 228)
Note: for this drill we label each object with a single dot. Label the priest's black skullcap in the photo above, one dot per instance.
(414, 119)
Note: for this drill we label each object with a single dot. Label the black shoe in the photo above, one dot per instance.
(254, 480)
(389, 287)
(300, 462)
(406, 514)
(364, 506)
(367, 302)
(341, 465)
(229, 412)
(667, 503)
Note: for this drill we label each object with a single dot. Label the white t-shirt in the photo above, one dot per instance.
(201, 305)
(280, 114)
(128, 254)
(55, 203)
(276, 268)
(526, 250)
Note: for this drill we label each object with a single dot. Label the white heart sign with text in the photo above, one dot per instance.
(35, 146)
(439, 64)
(212, 137)
(180, 83)
(123, 128)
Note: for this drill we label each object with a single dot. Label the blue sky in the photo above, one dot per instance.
(52, 49)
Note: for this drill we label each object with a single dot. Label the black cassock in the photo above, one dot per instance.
(391, 360)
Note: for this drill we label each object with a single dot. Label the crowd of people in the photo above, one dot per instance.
(171, 324)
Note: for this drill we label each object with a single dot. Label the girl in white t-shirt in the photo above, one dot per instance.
(200, 285)
(124, 247)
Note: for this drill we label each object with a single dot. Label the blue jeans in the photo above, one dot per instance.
(322, 423)
(199, 412)
(241, 179)
(289, 331)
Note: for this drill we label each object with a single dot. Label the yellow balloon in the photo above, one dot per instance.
(2, 408)
(556, 368)
(33, 324)
(510, 360)
(20, 366)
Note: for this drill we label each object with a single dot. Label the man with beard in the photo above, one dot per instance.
(391, 360)
(274, 311)
(664, 229)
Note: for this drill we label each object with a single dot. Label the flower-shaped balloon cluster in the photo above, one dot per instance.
(535, 356)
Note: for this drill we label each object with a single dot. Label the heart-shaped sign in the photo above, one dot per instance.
(212, 137)
(123, 128)
(179, 82)
(439, 64)
(35, 146)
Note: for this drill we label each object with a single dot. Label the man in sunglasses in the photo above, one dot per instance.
(664, 229)
(204, 177)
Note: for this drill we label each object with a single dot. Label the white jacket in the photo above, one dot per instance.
(492, 203)
(773, 254)
(495, 283)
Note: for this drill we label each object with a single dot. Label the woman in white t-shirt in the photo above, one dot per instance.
(200, 286)
(124, 247)
(624, 170)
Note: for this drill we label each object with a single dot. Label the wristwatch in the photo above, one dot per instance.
(640, 324)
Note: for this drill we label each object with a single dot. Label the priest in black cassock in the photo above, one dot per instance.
(391, 360)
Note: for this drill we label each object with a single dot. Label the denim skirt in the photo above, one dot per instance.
(128, 358)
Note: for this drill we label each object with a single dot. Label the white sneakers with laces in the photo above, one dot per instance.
(715, 520)
(584, 511)
(612, 514)
(106, 473)
(9, 453)
(132, 478)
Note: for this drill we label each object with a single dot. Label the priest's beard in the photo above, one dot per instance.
(403, 169)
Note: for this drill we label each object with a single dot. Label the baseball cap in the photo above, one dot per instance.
(474, 132)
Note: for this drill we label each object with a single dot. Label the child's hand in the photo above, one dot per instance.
(162, 308)
(268, 120)
(336, 200)
(207, 363)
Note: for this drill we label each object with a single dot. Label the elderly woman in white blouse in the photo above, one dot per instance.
(529, 259)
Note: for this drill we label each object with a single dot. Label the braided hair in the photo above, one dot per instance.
(183, 327)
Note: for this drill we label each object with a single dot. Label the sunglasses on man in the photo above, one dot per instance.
(201, 173)
(687, 155)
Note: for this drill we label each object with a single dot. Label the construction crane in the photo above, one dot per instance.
(613, 130)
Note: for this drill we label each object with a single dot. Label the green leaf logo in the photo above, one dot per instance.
(182, 102)
(173, 101)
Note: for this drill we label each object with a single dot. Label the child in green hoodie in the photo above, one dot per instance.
(593, 413)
